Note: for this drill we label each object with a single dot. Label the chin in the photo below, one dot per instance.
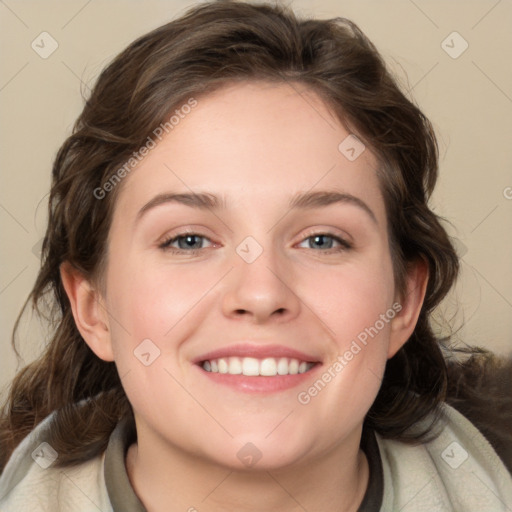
(260, 453)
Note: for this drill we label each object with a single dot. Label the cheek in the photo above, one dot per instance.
(149, 300)
(355, 306)
(351, 298)
(144, 305)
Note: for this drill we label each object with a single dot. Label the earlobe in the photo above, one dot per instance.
(88, 310)
(411, 303)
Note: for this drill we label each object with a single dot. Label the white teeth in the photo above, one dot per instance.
(268, 367)
(250, 366)
(223, 366)
(293, 367)
(235, 366)
(282, 366)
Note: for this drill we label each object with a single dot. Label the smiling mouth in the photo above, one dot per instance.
(253, 367)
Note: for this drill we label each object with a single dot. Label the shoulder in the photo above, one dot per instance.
(456, 470)
(32, 481)
(481, 389)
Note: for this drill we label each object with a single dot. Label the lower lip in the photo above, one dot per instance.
(259, 384)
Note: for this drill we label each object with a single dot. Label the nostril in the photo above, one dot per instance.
(279, 312)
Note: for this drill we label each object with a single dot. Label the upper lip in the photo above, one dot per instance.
(258, 351)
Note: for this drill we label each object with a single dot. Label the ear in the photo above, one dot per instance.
(403, 324)
(89, 312)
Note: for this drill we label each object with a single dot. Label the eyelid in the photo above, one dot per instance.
(333, 232)
(345, 241)
(343, 245)
(165, 241)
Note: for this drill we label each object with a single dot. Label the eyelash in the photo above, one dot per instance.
(166, 244)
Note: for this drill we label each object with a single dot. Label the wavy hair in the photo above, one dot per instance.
(212, 45)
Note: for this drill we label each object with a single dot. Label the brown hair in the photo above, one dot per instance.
(210, 46)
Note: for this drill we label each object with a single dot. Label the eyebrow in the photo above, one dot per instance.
(307, 200)
(203, 201)
(326, 198)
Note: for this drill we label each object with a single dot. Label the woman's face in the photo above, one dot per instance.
(289, 270)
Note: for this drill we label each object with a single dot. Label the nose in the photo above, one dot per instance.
(261, 291)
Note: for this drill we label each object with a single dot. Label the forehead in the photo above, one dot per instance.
(255, 143)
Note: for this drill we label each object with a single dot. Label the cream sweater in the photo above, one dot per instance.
(458, 471)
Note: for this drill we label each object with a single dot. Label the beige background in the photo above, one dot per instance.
(468, 98)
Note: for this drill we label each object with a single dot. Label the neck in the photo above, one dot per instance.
(165, 478)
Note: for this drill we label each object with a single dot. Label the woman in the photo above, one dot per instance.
(243, 265)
